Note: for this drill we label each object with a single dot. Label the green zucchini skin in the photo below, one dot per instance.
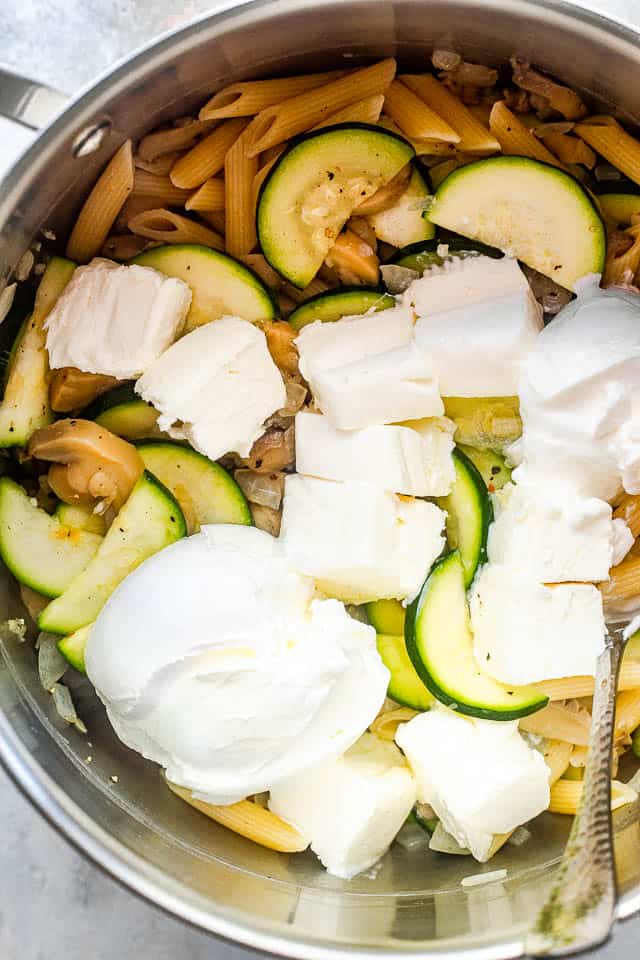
(124, 413)
(342, 302)
(469, 514)
(424, 255)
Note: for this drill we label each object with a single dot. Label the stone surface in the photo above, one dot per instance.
(53, 903)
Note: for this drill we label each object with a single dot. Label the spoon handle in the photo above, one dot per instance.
(580, 908)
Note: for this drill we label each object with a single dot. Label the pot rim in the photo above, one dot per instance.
(61, 812)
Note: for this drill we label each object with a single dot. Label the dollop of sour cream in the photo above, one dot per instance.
(579, 396)
(214, 660)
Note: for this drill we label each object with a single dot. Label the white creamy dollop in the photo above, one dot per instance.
(580, 396)
(228, 673)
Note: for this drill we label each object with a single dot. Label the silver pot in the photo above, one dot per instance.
(116, 808)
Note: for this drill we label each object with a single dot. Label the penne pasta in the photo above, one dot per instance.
(239, 202)
(569, 149)
(416, 120)
(353, 260)
(210, 196)
(162, 165)
(181, 137)
(620, 268)
(316, 287)
(566, 795)
(623, 582)
(291, 117)
(362, 111)
(102, 206)
(441, 170)
(515, 138)
(261, 176)
(207, 157)
(258, 263)
(132, 205)
(170, 227)
(474, 136)
(557, 754)
(558, 721)
(249, 97)
(628, 509)
(160, 188)
(572, 688)
(250, 820)
(386, 724)
(215, 219)
(608, 138)
(627, 713)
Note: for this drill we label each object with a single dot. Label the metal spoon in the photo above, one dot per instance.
(580, 909)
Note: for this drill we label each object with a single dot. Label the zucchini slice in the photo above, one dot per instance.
(123, 412)
(39, 550)
(440, 645)
(10, 330)
(80, 518)
(220, 285)
(533, 211)
(619, 201)
(312, 189)
(25, 404)
(487, 423)
(422, 256)
(469, 513)
(205, 491)
(338, 303)
(405, 686)
(406, 221)
(73, 647)
(491, 466)
(386, 616)
(150, 520)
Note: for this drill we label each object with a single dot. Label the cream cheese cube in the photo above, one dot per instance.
(357, 541)
(401, 459)
(368, 370)
(216, 387)
(555, 534)
(480, 776)
(115, 319)
(525, 631)
(477, 321)
(352, 808)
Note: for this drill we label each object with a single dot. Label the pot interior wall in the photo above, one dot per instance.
(113, 802)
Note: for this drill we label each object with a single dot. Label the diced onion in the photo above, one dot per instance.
(52, 666)
(265, 489)
(397, 278)
(267, 519)
(65, 706)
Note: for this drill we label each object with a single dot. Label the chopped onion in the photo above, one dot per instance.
(52, 666)
(266, 519)
(443, 842)
(550, 295)
(265, 489)
(296, 396)
(65, 706)
(396, 278)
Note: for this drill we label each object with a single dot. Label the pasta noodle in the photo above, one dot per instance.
(250, 820)
(623, 582)
(416, 120)
(182, 137)
(316, 287)
(628, 509)
(621, 267)
(287, 119)
(258, 263)
(210, 196)
(162, 165)
(569, 150)
(557, 755)
(161, 188)
(102, 206)
(132, 205)
(170, 227)
(239, 174)
(249, 97)
(609, 139)
(386, 724)
(215, 219)
(362, 111)
(207, 157)
(570, 688)
(627, 713)
(474, 136)
(566, 795)
(558, 721)
(515, 138)
(260, 178)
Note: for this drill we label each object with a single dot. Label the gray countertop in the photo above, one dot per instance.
(53, 903)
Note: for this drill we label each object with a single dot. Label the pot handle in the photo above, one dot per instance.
(26, 102)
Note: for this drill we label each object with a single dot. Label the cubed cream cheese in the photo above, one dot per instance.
(351, 808)
(477, 321)
(480, 776)
(368, 370)
(115, 319)
(555, 534)
(216, 387)
(357, 541)
(525, 631)
(400, 459)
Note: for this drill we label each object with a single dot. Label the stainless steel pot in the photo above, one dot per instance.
(116, 808)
